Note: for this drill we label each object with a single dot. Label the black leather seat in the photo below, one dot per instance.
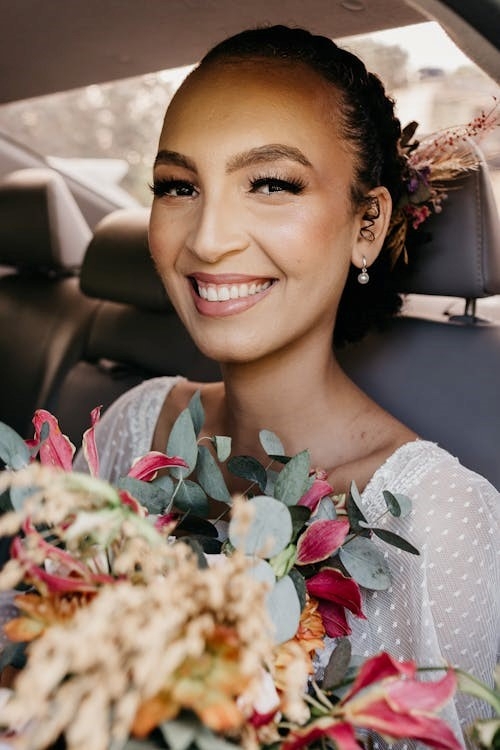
(44, 317)
(135, 333)
(437, 367)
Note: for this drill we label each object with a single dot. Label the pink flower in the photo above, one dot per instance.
(320, 540)
(320, 489)
(89, 444)
(56, 449)
(386, 698)
(335, 593)
(146, 467)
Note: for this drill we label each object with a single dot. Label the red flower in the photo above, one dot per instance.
(56, 449)
(339, 731)
(335, 593)
(387, 698)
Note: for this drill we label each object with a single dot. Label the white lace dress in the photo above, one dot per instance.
(444, 605)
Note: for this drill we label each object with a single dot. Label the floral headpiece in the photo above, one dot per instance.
(431, 164)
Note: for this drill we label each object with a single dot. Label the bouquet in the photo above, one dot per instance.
(139, 626)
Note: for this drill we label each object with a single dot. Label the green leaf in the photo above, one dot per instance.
(397, 541)
(284, 561)
(210, 476)
(325, 510)
(269, 532)
(5, 502)
(365, 564)
(18, 495)
(182, 442)
(191, 497)
(300, 586)
(260, 570)
(284, 608)
(13, 450)
(197, 549)
(300, 515)
(180, 733)
(13, 654)
(486, 733)
(271, 443)
(293, 479)
(398, 505)
(353, 507)
(472, 686)
(197, 412)
(206, 740)
(338, 664)
(222, 445)
(248, 468)
(155, 498)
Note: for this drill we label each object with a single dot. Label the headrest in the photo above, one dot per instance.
(118, 265)
(41, 226)
(462, 258)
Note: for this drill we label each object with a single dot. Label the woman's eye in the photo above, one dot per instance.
(268, 185)
(173, 189)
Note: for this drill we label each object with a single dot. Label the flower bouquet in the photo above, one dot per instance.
(142, 624)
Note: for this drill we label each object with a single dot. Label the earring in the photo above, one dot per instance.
(364, 276)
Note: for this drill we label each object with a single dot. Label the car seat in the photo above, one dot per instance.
(135, 333)
(437, 367)
(43, 314)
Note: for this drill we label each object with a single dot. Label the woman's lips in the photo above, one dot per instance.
(219, 296)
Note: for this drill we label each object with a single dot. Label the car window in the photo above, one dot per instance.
(106, 134)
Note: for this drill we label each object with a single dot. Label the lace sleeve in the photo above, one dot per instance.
(443, 606)
(126, 429)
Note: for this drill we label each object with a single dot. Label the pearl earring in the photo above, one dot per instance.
(364, 276)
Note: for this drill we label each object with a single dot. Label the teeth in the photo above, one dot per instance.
(221, 293)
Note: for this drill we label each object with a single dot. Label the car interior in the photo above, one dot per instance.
(83, 315)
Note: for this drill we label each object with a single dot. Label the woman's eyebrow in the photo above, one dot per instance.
(174, 158)
(267, 153)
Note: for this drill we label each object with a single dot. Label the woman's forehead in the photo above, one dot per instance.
(251, 94)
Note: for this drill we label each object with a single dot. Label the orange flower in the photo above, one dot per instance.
(309, 636)
(39, 612)
(208, 685)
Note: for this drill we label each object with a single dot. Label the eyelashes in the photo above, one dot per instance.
(173, 188)
(263, 184)
(267, 185)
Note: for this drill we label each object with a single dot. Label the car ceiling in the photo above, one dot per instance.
(55, 45)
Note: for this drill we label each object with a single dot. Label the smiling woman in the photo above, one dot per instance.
(273, 229)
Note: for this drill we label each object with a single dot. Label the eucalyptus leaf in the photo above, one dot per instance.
(293, 479)
(18, 496)
(13, 450)
(299, 582)
(182, 442)
(366, 564)
(150, 495)
(206, 740)
(353, 507)
(271, 443)
(269, 532)
(300, 516)
(190, 497)
(397, 541)
(197, 412)
(272, 476)
(284, 608)
(13, 654)
(260, 570)
(210, 476)
(325, 510)
(197, 549)
(247, 467)
(180, 733)
(398, 505)
(338, 664)
(222, 445)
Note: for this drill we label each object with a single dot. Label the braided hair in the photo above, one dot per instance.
(368, 122)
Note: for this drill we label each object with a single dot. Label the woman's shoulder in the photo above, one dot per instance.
(422, 468)
(126, 428)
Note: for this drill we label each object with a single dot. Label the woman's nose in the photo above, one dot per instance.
(218, 230)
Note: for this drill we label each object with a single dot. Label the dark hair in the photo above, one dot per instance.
(367, 121)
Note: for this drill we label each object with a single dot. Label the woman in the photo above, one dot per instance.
(276, 176)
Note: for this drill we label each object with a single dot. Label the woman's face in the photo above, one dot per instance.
(252, 226)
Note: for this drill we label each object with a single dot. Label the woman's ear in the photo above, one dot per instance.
(373, 223)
